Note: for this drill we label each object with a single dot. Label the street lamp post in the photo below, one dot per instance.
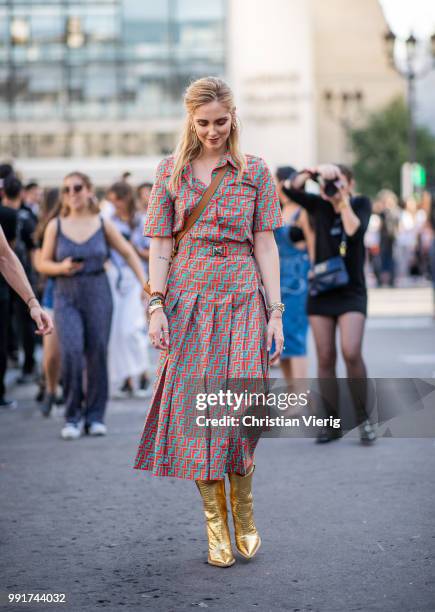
(411, 72)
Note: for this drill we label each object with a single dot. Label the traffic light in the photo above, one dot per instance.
(413, 180)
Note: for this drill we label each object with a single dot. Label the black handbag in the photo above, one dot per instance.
(331, 273)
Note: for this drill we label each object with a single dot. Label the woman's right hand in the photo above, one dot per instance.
(68, 267)
(158, 331)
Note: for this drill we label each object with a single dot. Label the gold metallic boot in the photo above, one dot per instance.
(247, 538)
(215, 509)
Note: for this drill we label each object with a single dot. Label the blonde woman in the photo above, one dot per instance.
(212, 321)
(75, 248)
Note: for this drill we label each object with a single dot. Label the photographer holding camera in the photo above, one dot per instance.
(337, 294)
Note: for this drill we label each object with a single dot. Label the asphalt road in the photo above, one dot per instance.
(344, 527)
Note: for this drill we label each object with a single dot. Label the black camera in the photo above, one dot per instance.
(330, 186)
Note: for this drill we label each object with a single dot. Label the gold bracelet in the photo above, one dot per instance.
(276, 306)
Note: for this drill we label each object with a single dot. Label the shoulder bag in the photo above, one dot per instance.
(331, 273)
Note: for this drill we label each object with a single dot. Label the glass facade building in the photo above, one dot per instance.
(77, 67)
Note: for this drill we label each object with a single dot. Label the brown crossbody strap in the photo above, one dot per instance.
(199, 209)
(196, 213)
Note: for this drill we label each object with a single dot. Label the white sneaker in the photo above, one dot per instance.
(143, 393)
(71, 431)
(118, 394)
(97, 429)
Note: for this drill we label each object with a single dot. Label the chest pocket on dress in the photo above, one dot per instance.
(237, 203)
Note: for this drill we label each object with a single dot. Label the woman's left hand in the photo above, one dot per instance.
(274, 332)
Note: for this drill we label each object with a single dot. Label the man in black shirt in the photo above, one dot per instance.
(23, 246)
(12, 273)
(5, 171)
(8, 222)
(32, 197)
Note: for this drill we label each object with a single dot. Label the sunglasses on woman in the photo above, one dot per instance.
(74, 188)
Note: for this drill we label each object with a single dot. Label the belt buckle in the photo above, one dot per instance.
(219, 250)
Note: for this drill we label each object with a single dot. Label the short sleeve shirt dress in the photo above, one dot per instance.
(216, 314)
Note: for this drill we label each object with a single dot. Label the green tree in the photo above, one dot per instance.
(381, 147)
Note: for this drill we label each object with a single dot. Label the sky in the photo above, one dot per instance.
(417, 16)
(410, 15)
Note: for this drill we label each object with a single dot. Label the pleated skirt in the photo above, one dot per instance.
(218, 332)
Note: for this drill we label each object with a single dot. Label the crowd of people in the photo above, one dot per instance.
(92, 255)
(87, 262)
(399, 240)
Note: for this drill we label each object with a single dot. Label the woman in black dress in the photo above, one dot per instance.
(344, 307)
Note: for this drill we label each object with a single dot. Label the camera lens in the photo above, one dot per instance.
(330, 189)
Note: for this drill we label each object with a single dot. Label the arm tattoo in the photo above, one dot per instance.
(161, 257)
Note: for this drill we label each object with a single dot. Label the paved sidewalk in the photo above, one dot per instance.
(344, 527)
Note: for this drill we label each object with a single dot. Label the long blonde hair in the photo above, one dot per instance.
(203, 91)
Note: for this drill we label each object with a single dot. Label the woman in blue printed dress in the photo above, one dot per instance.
(293, 239)
(213, 322)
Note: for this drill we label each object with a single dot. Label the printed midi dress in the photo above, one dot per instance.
(216, 313)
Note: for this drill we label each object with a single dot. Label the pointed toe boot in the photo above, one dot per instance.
(248, 540)
(215, 509)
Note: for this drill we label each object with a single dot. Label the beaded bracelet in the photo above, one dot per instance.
(158, 293)
(156, 300)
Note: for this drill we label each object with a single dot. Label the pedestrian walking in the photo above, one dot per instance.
(128, 356)
(212, 322)
(13, 274)
(337, 294)
(51, 356)
(412, 221)
(292, 240)
(23, 247)
(390, 217)
(142, 198)
(75, 248)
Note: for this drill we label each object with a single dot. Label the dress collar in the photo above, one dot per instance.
(227, 158)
